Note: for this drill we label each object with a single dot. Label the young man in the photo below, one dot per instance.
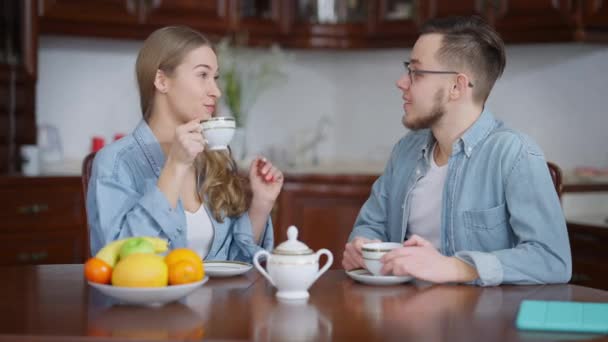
(472, 199)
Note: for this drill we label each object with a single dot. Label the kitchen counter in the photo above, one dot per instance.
(594, 220)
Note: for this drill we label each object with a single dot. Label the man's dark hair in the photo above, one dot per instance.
(470, 43)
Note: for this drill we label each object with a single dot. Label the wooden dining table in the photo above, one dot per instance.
(55, 303)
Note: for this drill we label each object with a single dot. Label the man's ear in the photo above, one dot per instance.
(459, 87)
(161, 82)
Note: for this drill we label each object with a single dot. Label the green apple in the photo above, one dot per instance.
(135, 245)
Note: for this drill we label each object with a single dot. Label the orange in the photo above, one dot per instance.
(181, 254)
(97, 271)
(183, 272)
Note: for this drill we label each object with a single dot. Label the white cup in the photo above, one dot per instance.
(219, 132)
(31, 160)
(373, 252)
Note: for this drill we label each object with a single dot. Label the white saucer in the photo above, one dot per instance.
(365, 277)
(226, 268)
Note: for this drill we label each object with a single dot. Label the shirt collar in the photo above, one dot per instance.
(427, 146)
(150, 146)
(469, 139)
(476, 133)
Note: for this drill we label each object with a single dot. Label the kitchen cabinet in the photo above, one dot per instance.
(43, 220)
(595, 20)
(105, 18)
(524, 21)
(589, 255)
(340, 24)
(323, 207)
(136, 19)
(397, 21)
(210, 16)
(265, 21)
(132, 19)
(18, 72)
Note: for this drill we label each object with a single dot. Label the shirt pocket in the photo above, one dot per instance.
(487, 229)
(487, 219)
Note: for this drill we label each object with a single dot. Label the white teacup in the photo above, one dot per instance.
(373, 252)
(219, 132)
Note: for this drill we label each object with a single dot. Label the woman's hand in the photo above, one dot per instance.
(266, 181)
(187, 143)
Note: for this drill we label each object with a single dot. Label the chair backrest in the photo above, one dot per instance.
(87, 166)
(556, 176)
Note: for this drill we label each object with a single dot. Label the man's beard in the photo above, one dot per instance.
(427, 121)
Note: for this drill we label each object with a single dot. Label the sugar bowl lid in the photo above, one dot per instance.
(292, 246)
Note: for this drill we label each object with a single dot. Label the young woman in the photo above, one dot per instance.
(162, 181)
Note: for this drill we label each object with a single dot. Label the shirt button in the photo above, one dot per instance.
(470, 149)
(418, 171)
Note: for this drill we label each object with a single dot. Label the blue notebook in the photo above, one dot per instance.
(563, 316)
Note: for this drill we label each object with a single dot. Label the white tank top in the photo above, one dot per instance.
(200, 231)
(425, 208)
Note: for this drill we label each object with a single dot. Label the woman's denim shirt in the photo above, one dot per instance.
(501, 213)
(123, 200)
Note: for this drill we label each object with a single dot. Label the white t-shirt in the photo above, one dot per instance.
(426, 204)
(200, 231)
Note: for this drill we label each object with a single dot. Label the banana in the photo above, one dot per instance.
(109, 253)
(160, 245)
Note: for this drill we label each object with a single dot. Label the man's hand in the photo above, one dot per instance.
(419, 258)
(352, 257)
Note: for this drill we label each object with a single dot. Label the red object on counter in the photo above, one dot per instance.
(97, 144)
(118, 136)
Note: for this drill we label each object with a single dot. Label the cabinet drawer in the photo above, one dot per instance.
(41, 207)
(50, 248)
(588, 244)
(590, 273)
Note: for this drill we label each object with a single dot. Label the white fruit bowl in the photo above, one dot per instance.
(148, 296)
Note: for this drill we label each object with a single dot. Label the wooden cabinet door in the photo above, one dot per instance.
(339, 24)
(534, 21)
(43, 220)
(18, 73)
(63, 247)
(323, 209)
(210, 16)
(264, 21)
(595, 20)
(105, 18)
(595, 14)
(588, 246)
(445, 8)
(396, 22)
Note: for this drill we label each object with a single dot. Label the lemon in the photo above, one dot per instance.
(141, 270)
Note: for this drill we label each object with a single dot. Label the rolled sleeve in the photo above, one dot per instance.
(488, 267)
(245, 246)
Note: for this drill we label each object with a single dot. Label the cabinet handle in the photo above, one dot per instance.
(39, 256)
(34, 256)
(580, 277)
(585, 237)
(33, 209)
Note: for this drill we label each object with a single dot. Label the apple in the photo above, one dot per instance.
(136, 245)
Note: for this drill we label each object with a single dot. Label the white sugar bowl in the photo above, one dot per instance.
(292, 266)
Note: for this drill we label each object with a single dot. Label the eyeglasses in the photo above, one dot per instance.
(411, 73)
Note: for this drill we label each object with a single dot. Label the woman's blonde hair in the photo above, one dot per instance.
(218, 182)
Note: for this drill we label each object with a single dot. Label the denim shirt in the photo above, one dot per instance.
(123, 200)
(500, 211)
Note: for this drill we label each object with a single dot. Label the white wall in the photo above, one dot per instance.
(554, 93)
